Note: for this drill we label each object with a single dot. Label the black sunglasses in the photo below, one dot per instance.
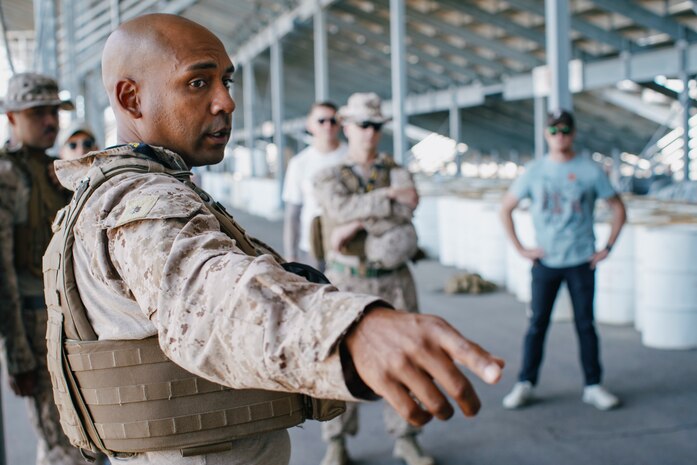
(86, 144)
(332, 121)
(370, 124)
(553, 130)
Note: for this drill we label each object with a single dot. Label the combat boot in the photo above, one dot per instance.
(407, 449)
(336, 453)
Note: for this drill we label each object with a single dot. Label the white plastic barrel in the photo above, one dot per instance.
(666, 285)
(614, 279)
(491, 249)
(447, 229)
(468, 210)
(427, 225)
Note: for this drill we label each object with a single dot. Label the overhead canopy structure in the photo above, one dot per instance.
(485, 58)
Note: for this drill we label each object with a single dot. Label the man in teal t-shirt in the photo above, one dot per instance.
(563, 189)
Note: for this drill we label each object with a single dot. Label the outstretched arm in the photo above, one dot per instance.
(423, 353)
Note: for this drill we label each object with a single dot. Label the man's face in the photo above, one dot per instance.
(363, 136)
(323, 125)
(77, 145)
(560, 137)
(185, 102)
(35, 127)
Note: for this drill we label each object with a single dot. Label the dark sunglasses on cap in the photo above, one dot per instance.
(370, 124)
(86, 144)
(332, 121)
(553, 130)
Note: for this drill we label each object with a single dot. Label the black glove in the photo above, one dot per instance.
(306, 271)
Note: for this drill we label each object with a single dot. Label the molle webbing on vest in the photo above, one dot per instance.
(168, 409)
(124, 397)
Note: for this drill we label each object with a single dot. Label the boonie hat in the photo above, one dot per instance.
(560, 117)
(363, 107)
(29, 90)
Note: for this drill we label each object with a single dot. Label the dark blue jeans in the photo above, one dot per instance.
(546, 281)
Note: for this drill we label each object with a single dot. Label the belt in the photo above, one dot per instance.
(363, 271)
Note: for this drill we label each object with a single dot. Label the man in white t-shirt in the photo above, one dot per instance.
(300, 204)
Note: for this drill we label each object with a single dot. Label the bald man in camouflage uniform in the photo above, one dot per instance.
(367, 206)
(155, 259)
(30, 200)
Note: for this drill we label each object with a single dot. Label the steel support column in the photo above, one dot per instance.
(70, 76)
(321, 60)
(277, 112)
(456, 135)
(46, 51)
(558, 45)
(685, 102)
(249, 93)
(398, 54)
(540, 117)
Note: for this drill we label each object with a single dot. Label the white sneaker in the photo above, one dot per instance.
(520, 395)
(599, 397)
(407, 449)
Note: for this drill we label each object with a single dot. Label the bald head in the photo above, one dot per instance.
(162, 71)
(136, 45)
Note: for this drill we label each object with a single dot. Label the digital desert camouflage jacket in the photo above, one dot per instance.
(150, 259)
(15, 345)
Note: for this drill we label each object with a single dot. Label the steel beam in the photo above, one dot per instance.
(278, 29)
(320, 52)
(685, 103)
(557, 18)
(440, 78)
(472, 57)
(398, 26)
(649, 19)
(540, 117)
(473, 38)
(499, 20)
(585, 28)
(278, 112)
(455, 124)
(46, 51)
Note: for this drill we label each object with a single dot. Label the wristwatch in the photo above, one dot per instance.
(608, 248)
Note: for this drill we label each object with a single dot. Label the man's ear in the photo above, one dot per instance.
(11, 117)
(128, 98)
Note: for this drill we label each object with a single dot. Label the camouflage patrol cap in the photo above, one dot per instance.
(28, 90)
(363, 107)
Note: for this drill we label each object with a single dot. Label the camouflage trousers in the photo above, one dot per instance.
(53, 447)
(399, 289)
(263, 449)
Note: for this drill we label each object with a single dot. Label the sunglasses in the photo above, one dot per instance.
(332, 121)
(370, 124)
(553, 130)
(86, 144)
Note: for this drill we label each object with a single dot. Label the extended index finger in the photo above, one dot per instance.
(471, 355)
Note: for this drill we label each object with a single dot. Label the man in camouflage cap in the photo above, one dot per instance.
(367, 207)
(154, 260)
(30, 200)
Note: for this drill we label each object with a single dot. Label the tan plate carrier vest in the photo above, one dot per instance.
(125, 397)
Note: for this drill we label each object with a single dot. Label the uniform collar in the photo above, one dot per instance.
(70, 172)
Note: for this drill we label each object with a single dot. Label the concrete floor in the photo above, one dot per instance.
(656, 425)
